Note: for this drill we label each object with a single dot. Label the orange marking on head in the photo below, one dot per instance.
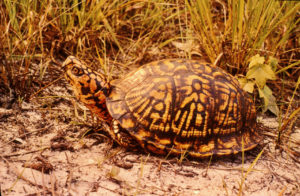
(85, 84)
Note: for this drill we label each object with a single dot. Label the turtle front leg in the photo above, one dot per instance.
(121, 136)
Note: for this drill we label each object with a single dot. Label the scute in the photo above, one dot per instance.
(177, 106)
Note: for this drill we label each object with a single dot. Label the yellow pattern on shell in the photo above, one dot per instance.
(185, 105)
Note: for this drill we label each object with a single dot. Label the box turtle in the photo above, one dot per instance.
(170, 107)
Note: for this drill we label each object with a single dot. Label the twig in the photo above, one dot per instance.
(34, 94)
(23, 153)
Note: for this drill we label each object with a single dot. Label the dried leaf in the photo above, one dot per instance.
(187, 46)
(114, 171)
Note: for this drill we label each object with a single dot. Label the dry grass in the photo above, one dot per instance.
(131, 32)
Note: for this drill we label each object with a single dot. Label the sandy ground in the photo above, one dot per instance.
(48, 148)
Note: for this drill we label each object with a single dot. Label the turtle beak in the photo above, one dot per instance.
(68, 61)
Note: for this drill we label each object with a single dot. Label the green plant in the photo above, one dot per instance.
(258, 74)
(236, 30)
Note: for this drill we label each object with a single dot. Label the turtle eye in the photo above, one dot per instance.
(77, 71)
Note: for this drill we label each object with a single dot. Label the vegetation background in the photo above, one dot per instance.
(128, 33)
(257, 41)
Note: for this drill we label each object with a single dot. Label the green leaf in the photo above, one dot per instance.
(243, 81)
(273, 105)
(267, 90)
(261, 73)
(264, 97)
(256, 60)
(249, 87)
(269, 100)
(273, 62)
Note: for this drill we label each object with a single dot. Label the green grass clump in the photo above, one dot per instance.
(240, 29)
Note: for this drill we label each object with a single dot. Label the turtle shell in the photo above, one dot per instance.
(177, 106)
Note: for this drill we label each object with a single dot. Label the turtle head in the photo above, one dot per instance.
(90, 87)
